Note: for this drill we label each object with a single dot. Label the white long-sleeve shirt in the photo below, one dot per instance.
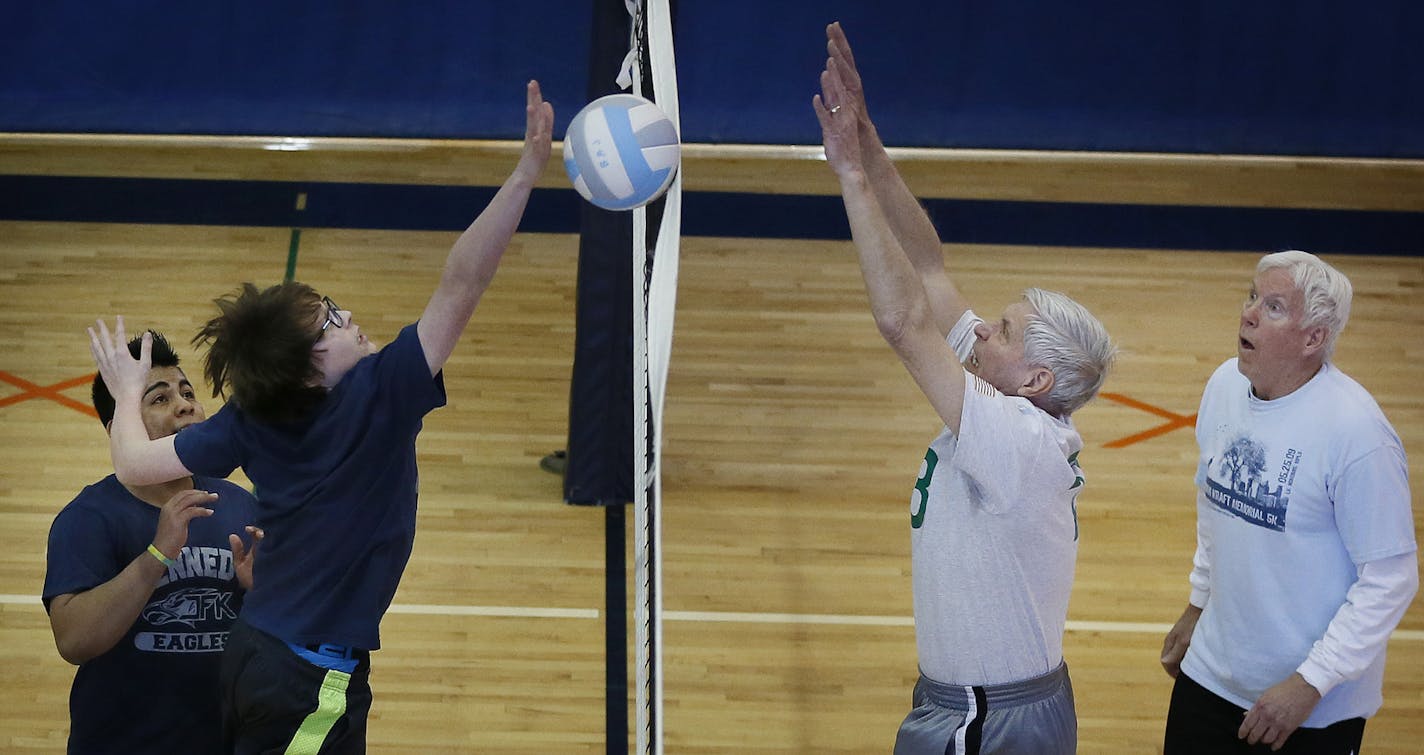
(1306, 558)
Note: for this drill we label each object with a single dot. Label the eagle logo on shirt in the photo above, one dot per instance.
(190, 606)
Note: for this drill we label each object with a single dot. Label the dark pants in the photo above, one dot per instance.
(1201, 723)
(276, 702)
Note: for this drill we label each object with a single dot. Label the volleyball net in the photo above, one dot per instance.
(652, 70)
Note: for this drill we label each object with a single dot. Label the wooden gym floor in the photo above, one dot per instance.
(793, 438)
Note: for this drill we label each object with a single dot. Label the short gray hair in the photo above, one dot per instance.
(1065, 337)
(1326, 290)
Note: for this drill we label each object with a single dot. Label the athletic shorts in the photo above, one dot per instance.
(1034, 716)
(274, 701)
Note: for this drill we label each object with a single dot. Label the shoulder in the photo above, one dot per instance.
(99, 513)
(1014, 421)
(215, 445)
(1227, 373)
(406, 346)
(1342, 387)
(1353, 409)
(98, 499)
(395, 357)
(216, 425)
(1226, 387)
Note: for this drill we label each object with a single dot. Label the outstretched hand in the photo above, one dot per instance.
(838, 48)
(123, 375)
(538, 132)
(243, 555)
(839, 118)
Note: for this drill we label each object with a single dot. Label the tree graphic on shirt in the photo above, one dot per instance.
(1243, 461)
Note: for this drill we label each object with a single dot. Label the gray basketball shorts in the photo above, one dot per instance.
(1031, 717)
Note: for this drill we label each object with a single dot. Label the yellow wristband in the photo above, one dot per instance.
(158, 554)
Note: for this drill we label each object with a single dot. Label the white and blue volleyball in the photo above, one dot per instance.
(621, 152)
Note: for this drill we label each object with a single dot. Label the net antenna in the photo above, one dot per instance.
(651, 70)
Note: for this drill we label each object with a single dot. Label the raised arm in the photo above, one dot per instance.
(138, 460)
(904, 215)
(476, 254)
(898, 299)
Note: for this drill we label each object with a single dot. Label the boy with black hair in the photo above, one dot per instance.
(142, 585)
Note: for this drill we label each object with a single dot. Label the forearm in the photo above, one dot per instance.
(89, 624)
(1360, 629)
(137, 459)
(903, 212)
(470, 267)
(476, 254)
(1200, 578)
(897, 298)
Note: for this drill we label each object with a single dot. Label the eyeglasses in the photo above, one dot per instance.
(333, 314)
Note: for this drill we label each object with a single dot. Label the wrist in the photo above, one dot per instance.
(853, 177)
(160, 556)
(527, 171)
(1321, 679)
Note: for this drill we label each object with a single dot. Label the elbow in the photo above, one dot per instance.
(894, 325)
(132, 477)
(125, 476)
(73, 651)
(900, 327)
(124, 467)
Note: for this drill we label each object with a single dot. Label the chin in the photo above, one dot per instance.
(1243, 364)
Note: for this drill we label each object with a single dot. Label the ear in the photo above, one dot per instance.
(1038, 382)
(1315, 340)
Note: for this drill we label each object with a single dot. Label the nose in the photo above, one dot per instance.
(982, 331)
(1249, 312)
(186, 407)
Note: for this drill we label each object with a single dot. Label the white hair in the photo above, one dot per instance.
(1326, 290)
(1065, 337)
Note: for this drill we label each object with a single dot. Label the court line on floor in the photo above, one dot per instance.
(733, 617)
(531, 612)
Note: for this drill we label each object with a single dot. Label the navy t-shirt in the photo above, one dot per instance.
(338, 496)
(157, 689)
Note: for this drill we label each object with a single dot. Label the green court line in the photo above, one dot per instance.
(300, 206)
(292, 254)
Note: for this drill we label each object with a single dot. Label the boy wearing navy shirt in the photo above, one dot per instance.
(325, 426)
(142, 584)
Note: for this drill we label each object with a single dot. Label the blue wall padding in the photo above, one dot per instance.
(1308, 77)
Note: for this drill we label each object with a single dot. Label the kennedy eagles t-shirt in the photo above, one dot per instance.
(157, 689)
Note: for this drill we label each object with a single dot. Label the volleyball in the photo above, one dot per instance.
(621, 152)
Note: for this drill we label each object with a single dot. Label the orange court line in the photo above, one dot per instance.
(1174, 420)
(51, 392)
